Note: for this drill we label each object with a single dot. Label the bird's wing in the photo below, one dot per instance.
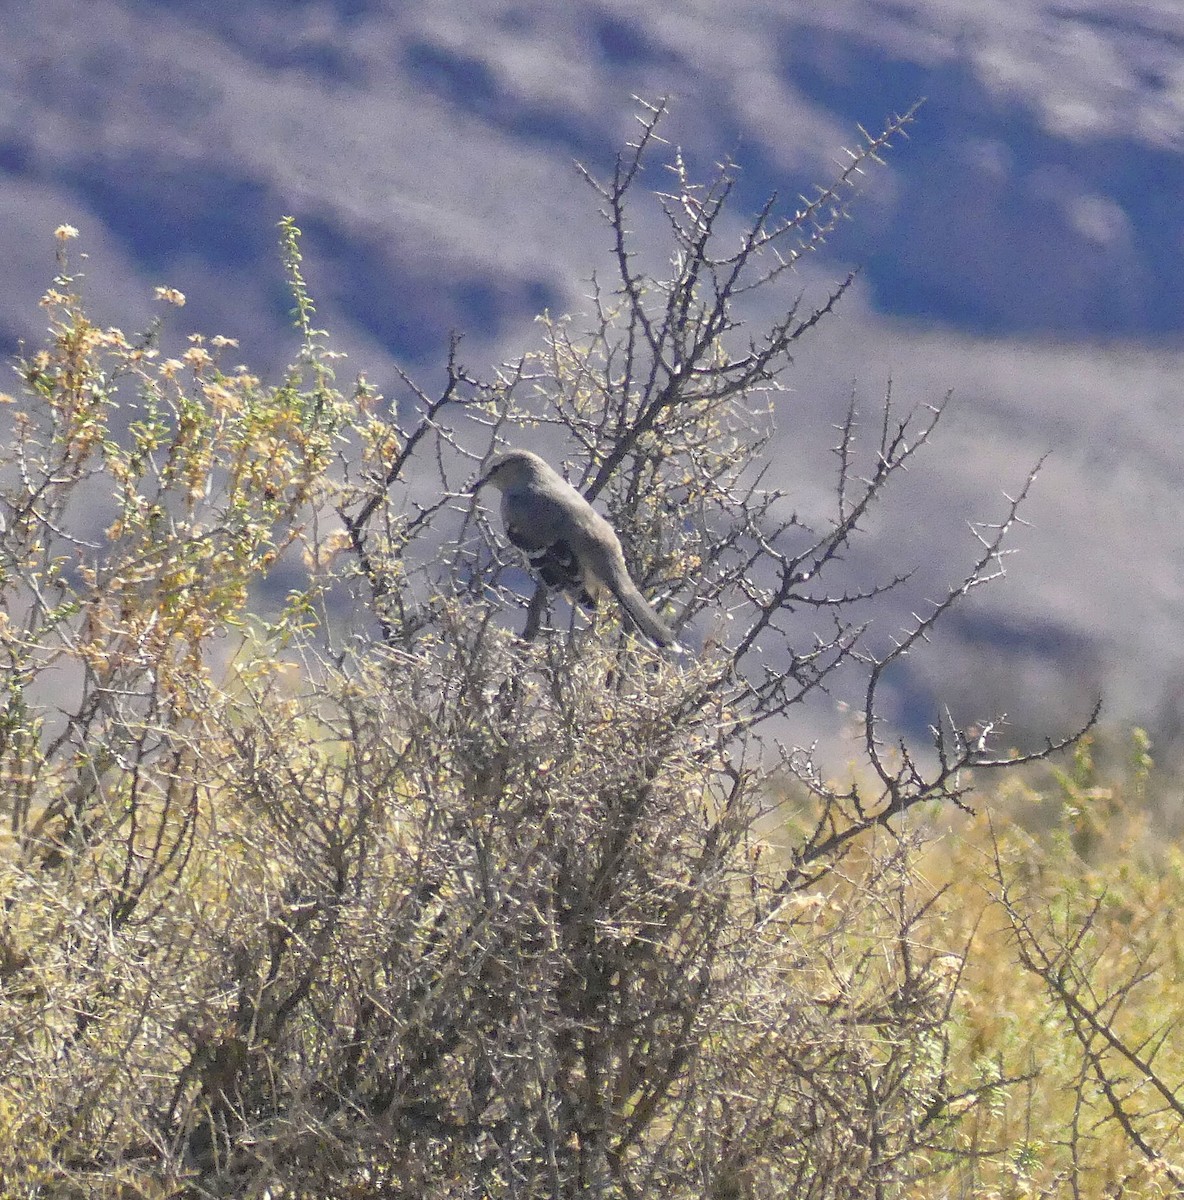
(555, 562)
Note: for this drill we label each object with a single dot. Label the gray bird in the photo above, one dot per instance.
(566, 540)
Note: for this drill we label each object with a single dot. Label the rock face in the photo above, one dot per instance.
(1023, 249)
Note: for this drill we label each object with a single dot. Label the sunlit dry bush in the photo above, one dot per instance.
(393, 881)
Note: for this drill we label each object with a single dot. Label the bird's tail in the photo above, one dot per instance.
(643, 616)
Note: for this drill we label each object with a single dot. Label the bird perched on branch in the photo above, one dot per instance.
(567, 542)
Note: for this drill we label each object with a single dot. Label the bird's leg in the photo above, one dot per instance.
(573, 621)
(534, 614)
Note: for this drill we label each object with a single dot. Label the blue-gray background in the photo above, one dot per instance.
(1023, 248)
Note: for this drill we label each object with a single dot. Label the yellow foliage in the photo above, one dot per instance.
(1095, 893)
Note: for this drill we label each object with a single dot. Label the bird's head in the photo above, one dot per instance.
(512, 468)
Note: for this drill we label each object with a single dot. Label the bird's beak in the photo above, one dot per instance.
(482, 479)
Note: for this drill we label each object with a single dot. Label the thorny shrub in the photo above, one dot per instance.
(447, 901)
